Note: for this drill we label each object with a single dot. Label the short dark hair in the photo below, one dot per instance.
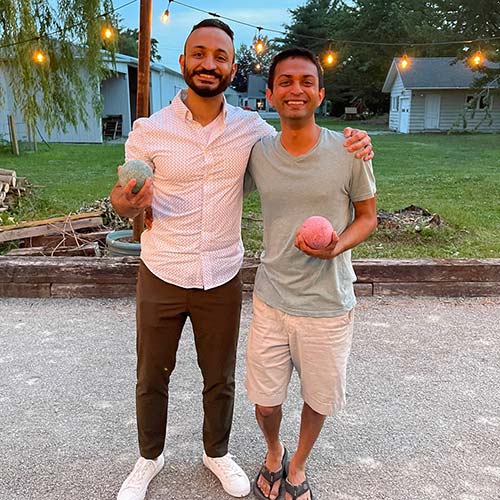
(214, 23)
(294, 52)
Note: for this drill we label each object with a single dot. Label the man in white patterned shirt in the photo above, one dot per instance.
(191, 254)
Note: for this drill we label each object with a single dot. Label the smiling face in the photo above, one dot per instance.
(296, 93)
(208, 61)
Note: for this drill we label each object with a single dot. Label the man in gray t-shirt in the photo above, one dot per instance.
(303, 298)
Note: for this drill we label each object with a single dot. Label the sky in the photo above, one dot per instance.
(271, 14)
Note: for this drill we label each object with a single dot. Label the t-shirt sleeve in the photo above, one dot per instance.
(362, 185)
(136, 144)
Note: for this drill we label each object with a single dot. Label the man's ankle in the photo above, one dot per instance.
(296, 467)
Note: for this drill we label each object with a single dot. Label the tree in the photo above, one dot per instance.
(313, 24)
(362, 67)
(476, 20)
(128, 44)
(249, 62)
(70, 63)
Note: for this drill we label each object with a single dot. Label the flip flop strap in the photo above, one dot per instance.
(271, 477)
(296, 490)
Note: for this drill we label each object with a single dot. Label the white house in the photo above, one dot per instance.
(256, 95)
(432, 94)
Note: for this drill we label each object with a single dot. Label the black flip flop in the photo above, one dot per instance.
(297, 490)
(272, 477)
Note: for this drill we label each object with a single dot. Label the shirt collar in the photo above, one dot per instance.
(183, 112)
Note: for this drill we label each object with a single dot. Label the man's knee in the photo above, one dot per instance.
(267, 411)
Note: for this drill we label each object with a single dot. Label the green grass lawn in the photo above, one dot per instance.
(66, 175)
(456, 176)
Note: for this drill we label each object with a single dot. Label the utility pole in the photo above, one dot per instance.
(142, 102)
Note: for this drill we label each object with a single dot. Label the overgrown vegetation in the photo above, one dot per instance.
(456, 177)
(51, 55)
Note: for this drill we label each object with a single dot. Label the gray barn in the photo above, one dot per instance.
(432, 94)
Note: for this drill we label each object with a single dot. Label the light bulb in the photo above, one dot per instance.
(329, 58)
(404, 63)
(39, 56)
(259, 46)
(477, 58)
(107, 33)
(165, 17)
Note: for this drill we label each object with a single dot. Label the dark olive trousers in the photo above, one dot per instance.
(162, 310)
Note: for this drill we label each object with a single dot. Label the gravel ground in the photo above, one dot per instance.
(422, 420)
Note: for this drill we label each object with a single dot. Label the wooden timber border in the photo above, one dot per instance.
(116, 277)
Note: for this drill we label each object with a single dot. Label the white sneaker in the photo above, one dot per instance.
(136, 484)
(230, 474)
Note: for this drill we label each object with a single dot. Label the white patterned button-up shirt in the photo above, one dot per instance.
(195, 239)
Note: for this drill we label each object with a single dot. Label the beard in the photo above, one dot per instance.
(205, 91)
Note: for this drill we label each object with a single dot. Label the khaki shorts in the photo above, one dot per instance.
(318, 348)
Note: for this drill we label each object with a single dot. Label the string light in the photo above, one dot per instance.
(107, 33)
(259, 45)
(339, 41)
(330, 58)
(165, 17)
(404, 63)
(39, 56)
(257, 67)
(477, 58)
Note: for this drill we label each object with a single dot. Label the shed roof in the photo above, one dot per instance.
(134, 61)
(434, 73)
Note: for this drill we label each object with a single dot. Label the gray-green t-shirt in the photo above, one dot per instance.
(324, 181)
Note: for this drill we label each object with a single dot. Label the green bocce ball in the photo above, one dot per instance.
(135, 169)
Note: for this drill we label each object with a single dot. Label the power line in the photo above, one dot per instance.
(334, 40)
(270, 30)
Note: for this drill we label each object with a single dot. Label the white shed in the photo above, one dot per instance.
(118, 94)
(119, 91)
(432, 94)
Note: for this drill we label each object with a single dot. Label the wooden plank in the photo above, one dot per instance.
(52, 228)
(118, 270)
(51, 220)
(424, 270)
(92, 290)
(29, 290)
(363, 289)
(442, 289)
(122, 272)
(88, 250)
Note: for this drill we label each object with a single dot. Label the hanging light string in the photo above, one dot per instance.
(335, 40)
(62, 30)
(261, 28)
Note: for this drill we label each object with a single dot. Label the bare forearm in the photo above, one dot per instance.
(356, 233)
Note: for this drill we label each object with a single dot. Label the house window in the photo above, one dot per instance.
(478, 102)
(395, 103)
